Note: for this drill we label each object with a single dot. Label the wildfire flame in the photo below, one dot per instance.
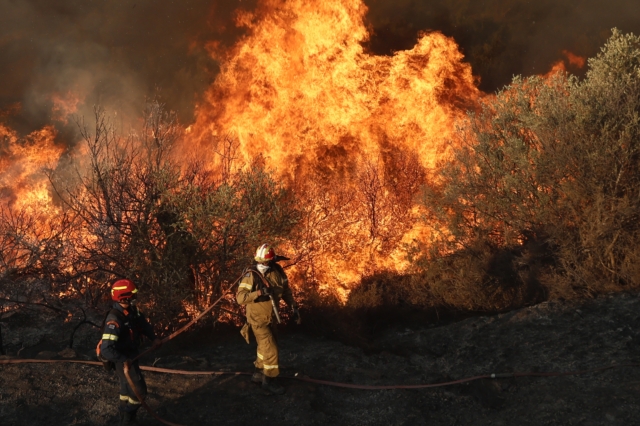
(301, 91)
(301, 81)
(561, 66)
(23, 186)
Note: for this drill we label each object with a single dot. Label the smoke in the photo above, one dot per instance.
(63, 57)
(503, 38)
(66, 56)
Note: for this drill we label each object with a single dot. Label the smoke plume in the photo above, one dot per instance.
(63, 57)
(503, 38)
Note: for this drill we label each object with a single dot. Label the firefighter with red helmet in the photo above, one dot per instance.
(260, 290)
(123, 330)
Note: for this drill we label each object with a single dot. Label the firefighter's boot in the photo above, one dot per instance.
(257, 376)
(128, 418)
(270, 385)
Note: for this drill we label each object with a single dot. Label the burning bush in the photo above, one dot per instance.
(129, 208)
(538, 195)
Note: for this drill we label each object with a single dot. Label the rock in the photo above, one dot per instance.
(68, 353)
(46, 355)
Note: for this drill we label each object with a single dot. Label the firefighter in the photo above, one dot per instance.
(123, 330)
(260, 290)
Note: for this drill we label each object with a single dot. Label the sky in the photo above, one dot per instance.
(118, 53)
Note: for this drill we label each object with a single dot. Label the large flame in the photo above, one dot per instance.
(301, 80)
(301, 91)
(23, 185)
(354, 133)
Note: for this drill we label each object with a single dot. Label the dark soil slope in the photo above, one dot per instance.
(550, 337)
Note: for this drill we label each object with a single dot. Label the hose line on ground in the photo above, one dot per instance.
(163, 341)
(301, 378)
(322, 382)
(332, 383)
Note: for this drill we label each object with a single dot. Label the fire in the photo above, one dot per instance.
(561, 66)
(23, 184)
(575, 60)
(355, 135)
(64, 105)
(301, 91)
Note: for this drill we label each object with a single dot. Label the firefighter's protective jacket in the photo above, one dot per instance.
(259, 308)
(123, 331)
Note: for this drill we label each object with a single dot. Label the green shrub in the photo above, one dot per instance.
(554, 161)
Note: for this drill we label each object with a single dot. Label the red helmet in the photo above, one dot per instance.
(123, 290)
(265, 253)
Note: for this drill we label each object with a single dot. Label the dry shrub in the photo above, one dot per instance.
(134, 209)
(482, 279)
(553, 161)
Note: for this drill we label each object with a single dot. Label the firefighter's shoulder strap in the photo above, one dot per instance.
(118, 314)
(280, 270)
(259, 283)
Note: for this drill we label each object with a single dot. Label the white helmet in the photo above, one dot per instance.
(265, 253)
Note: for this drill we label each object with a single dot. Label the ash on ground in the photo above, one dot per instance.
(550, 337)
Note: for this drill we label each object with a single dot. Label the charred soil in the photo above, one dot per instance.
(550, 337)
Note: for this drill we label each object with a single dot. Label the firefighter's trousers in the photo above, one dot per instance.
(128, 399)
(267, 356)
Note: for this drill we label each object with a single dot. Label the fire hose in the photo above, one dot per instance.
(326, 382)
(163, 341)
(176, 333)
(301, 378)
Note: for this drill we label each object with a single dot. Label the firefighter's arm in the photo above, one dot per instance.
(287, 296)
(110, 337)
(146, 327)
(244, 294)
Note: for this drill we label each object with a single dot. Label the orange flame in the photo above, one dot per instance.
(23, 185)
(561, 65)
(301, 91)
(575, 60)
(64, 105)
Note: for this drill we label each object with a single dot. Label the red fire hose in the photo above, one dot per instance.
(301, 378)
(322, 382)
(163, 341)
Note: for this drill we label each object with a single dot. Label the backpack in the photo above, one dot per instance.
(108, 365)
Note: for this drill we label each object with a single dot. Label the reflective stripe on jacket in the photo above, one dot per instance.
(123, 331)
(259, 308)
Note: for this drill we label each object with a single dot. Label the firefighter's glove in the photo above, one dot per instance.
(264, 291)
(296, 316)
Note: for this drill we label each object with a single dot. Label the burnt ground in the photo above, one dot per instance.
(550, 337)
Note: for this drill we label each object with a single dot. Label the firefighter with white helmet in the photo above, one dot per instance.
(123, 329)
(260, 290)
